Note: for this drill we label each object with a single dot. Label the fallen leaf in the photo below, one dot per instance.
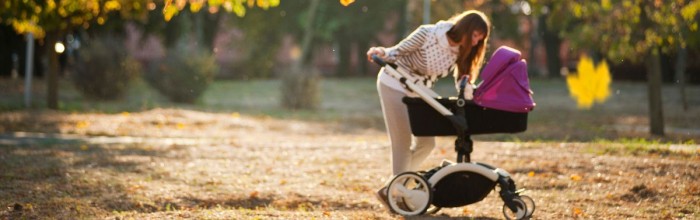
(576, 177)
(577, 211)
(531, 174)
(466, 211)
(82, 124)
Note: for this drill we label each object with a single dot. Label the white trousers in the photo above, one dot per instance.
(407, 151)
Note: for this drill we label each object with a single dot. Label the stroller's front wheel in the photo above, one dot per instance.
(520, 212)
(409, 194)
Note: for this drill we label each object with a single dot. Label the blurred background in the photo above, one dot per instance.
(307, 58)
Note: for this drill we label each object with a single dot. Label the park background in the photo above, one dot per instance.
(158, 109)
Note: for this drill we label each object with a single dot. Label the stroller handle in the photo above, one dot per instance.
(378, 60)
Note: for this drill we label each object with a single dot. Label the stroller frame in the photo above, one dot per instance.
(416, 193)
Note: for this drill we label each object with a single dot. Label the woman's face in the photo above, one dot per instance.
(476, 37)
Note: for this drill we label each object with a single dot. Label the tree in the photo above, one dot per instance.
(356, 24)
(636, 30)
(51, 18)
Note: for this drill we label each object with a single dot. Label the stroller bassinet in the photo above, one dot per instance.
(426, 121)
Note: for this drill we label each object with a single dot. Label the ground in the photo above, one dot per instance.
(169, 163)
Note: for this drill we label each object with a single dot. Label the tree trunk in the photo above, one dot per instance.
(534, 41)
(52, 76)
(308, 35)
(656, 115)
(344, 54)
(552, 44)
(300, 84)
(362, 64)
(680, 75)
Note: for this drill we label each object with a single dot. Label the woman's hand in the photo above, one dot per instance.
(374, 51)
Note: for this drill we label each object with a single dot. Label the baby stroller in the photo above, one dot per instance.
(500, 105)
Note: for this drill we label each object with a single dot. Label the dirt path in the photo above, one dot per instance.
(239, 167)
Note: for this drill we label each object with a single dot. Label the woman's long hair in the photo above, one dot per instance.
(470, 58)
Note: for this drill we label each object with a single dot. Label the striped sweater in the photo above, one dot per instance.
(426, 53)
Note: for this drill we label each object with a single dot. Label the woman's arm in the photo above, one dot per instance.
(409, 44)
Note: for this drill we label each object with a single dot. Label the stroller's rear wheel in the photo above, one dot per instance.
(409, 194)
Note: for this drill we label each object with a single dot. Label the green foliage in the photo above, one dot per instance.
(103, 70)
(184, 74)
(39, 17)
(334, 24)
(627, 29)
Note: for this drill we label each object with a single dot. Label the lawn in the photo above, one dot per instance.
(236, 155)
(353, 102)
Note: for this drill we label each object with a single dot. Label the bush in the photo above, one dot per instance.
(103, 70)
(183, 75)
(300, 88)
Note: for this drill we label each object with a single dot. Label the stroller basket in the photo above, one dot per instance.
(426, 121)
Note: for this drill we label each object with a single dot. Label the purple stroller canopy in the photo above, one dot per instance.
(505, 85)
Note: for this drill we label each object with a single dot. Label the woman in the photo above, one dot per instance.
(429, 53)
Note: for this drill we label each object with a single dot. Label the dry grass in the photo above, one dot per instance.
(198, 165)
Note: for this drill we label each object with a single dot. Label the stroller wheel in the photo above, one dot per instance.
(409, 194)
(530, 204)
(519, 213)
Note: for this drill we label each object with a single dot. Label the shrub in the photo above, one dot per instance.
(103, 70)
(300, 88)
(183, 75)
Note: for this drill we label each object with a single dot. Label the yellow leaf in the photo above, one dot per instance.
(180, 126)
(82, 124)
(180, 4)
(239, 10)
(282, 182)
(264, 4)
(125, 114)
(577, 211)
(112, 5)
(605, 4)
(196, 6)
(466, 211)
(576, 177)
(346, 2)
(169, 11)
(235, 115)
(591, 84)
(531, 174)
